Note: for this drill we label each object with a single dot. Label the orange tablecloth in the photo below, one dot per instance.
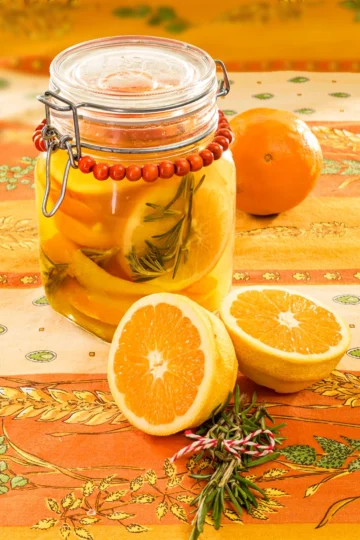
(62, 438)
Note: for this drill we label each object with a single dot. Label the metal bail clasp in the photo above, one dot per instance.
(56, 141)
(52, 146)
(224, 84)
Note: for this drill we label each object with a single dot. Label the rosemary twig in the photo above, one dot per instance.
(164, 252)
(55, 273)
(224, 477)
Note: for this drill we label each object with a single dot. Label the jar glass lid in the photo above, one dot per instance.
(130, 72)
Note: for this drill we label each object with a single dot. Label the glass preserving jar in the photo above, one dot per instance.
(135, 194)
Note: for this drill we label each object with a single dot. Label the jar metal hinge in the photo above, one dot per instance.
(73, 145)
(55, 141)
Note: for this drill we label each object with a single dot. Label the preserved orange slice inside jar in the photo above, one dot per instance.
(135, 181)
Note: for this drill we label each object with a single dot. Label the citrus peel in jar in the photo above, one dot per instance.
(91, 276)
(59, 249)
(96, 305)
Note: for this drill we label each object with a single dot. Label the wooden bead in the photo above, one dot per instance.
(86, 164)
(35, 134)
(42, 145)
(40, 126)
(166, 169)
(36, 142)
(223, 124)
(225, 133)
(216, 149)
(117, 171)
(182, 167)
(196, 162)
(133, 173)
(207, 157)
(101, 171)
(224, 143)
(150, 172)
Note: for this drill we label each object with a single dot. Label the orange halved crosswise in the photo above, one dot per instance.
(286, 321)
(169, 366)
(283, 339)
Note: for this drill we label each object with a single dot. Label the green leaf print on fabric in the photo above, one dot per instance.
(41, 356)
(347, 299)
(305, 111)
(42, 301)
(340, 94)
(301, 454)
(266, 95)
(298, 80)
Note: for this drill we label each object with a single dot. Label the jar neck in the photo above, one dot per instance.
(138, 158)
(123, 133)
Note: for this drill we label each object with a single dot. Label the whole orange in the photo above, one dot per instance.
(278, 160)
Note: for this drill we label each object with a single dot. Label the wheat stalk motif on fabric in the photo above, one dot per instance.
(53, 404)
(337, 138)
(17, 234)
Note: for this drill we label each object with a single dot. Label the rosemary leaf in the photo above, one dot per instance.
(277, 427)
(217, 510)
(200, 183)
(264, 459)
(251, 484)
(199, 456)
(268, 415)
(237, 400)
(234, 500)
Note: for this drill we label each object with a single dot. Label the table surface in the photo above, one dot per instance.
(61, 433)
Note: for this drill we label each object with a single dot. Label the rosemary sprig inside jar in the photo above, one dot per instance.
(235, 439)
(164, 252)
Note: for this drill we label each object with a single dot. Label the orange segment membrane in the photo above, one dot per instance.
(285, 321)
(159, 364)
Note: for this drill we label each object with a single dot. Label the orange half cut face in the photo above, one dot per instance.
(164, 364)
(283, 339)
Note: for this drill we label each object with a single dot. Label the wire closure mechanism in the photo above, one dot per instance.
(52, 147)
(47, 138)
(67, 107)
(224, 84)
(54, 141)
